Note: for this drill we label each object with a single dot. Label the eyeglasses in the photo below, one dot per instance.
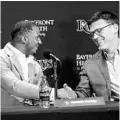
(98, 31)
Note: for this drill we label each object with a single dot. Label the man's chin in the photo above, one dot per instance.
(101, 48)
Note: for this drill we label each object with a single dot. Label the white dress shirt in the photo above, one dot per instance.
(114, 72)
(23, 61)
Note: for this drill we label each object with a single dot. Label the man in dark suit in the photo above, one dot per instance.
(100, 75)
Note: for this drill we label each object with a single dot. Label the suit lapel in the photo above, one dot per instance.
(104, 69)
(17, 65)
(14, 60)
(103, 66)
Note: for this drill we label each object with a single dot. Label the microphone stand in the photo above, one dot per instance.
(55, 78)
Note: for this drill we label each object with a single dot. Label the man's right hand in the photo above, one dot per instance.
(66, 92)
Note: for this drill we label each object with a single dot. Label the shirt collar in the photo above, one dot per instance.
(116, 53)
(19, 54)
(16, 51)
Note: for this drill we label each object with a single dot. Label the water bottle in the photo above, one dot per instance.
(45, 96)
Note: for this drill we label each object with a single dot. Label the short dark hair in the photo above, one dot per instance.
(21, 28)
(105, 15)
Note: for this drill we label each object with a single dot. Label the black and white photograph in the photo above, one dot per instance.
(60, 60)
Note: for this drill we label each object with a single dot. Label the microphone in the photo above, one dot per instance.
(49, 55)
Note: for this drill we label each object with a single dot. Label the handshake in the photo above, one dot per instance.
(66, 92)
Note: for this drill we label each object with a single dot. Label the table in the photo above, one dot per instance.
(109, 111)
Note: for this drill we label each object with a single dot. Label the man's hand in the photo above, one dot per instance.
(66, 92)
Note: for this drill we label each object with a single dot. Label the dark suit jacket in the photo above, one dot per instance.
(94, 78)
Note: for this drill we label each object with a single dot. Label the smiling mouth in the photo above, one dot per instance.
(99, 43)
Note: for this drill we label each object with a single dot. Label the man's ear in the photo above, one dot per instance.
(116, 28)
(24, 39)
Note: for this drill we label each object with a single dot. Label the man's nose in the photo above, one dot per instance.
(95, 36)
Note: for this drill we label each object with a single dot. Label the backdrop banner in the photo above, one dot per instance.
(63, 30)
